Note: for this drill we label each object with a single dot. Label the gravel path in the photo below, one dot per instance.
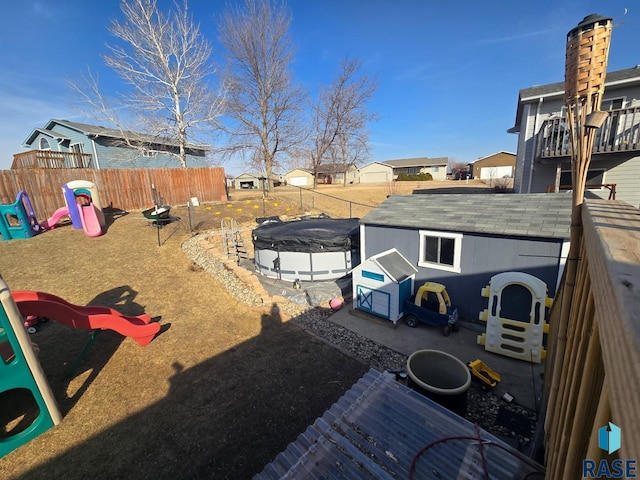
(483, 408)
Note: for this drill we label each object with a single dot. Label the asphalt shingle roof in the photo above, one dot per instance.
(416, 162)
(558, 87)
(100, 131)
(527, 215)
(395, 265)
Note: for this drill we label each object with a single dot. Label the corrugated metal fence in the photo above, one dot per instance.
(126, 189)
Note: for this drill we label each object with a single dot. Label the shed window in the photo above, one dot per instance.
(440, 250)
(44, 144)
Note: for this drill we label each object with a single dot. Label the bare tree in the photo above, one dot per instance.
(340, 117)
(166, 61)
(350, 150)
(263, 101)
(458, 169)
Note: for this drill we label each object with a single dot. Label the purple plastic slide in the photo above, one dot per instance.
(55, 218)
(90, 222)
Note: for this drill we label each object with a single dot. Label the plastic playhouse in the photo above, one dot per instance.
(82, 206)
(18, 220)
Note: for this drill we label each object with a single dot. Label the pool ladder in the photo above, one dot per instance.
(232, 241)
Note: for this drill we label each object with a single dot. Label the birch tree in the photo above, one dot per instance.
(263, 102)
(165, 60)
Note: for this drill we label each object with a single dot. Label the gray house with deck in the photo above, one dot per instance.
(448, 242)
(543, 154)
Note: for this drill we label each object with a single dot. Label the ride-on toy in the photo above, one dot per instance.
(32, 321)
(431, 305)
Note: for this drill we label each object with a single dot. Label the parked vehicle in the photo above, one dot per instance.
(431, 305)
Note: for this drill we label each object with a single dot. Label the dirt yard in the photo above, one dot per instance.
(220, 392)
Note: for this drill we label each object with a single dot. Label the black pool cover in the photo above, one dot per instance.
(310, 236)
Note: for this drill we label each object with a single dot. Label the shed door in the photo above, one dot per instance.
(404, 293)
(298, 181)
(373, 301)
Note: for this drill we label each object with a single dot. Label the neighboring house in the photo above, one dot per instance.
(449, 242)
(376, 172)
(335, 173)
(498, 165)
(388, 170)
(255, 181)
(437, 167)
(543, 139)
(246, 181)
(65, 144)
(299, 177)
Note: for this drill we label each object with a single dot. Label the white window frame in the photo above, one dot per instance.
(457, 251)
(40, 147)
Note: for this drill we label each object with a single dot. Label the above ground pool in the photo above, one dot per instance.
(308, 250)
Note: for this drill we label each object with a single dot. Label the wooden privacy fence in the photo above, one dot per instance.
(592, 375)
(126, 189)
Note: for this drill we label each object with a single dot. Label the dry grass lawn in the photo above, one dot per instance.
(217, 394)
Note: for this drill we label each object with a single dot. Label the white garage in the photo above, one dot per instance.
(487, 173)
(376, 172)
(299, 177)
(298, 181)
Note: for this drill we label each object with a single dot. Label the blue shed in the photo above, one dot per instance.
(462, 240)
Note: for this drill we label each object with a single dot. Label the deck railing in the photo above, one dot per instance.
(619, 133)
(609, 186)
(592, 374)
(51, 159)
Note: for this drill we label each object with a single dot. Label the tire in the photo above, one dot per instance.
(411, 320)
(446, 331)
(455, 327)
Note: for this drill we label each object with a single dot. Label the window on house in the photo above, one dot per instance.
(594, 177)
(435, 169)
(44, 144)
(440, 250)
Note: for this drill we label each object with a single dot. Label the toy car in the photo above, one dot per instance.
(431, 305)
(32, 321)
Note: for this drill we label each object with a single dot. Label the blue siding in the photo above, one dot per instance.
(110, 156)
(482, 257)
(114, 156)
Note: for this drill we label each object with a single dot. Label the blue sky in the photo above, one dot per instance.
(448, 71)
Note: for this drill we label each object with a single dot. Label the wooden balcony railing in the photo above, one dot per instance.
(619, 133)
(51, 159)
(609, 186)
(592, 374)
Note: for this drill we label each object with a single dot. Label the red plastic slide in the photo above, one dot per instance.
(55, 218)
(55, 308)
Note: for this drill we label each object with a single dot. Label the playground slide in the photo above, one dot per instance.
(55, 308)
(90, 222)
(55, 218)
